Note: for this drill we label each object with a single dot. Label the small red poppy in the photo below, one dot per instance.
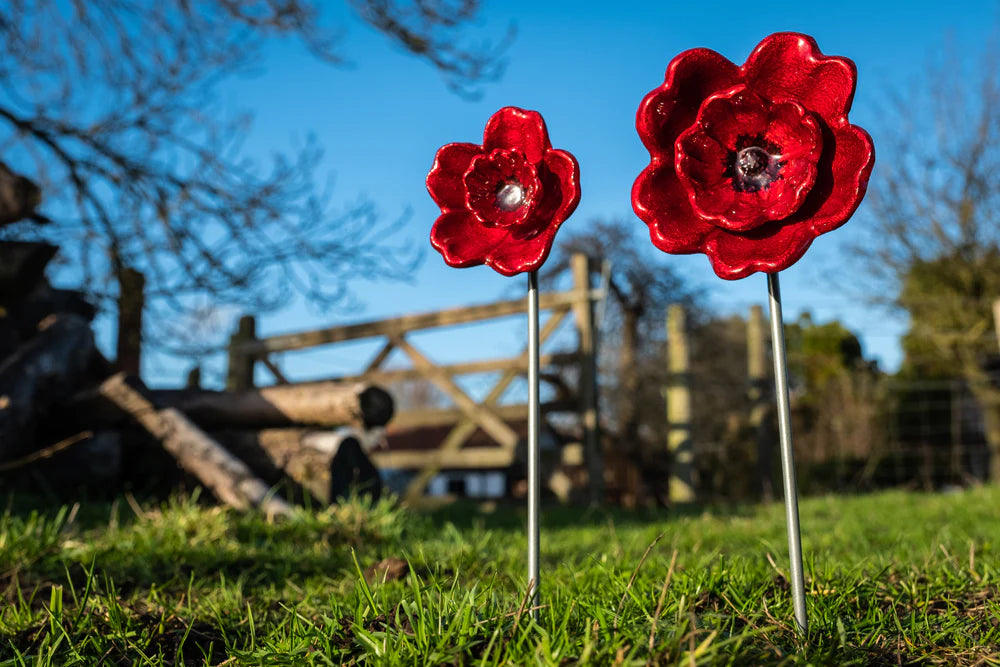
(502, 202)
(749, 164)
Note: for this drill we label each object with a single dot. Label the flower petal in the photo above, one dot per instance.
(730, 113)
(789, 65)
(462, 241)
(660, 201)
(770, 248)
(511, 127)
(515, 256)
(445, 182)
(700, 157)
(841, 181)
(669, 109)
(560, 178)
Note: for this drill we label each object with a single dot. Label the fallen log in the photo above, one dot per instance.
(39, 375)
(320, 404)
(228, 478)
(327, 464)
(310, 404)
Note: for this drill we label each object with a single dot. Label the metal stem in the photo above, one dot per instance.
(787, 456)
(533, 422)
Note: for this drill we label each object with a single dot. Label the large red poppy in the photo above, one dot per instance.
(750, 164)
(502, 202)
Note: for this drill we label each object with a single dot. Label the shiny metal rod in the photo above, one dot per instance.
(787, 456)
(533, 421)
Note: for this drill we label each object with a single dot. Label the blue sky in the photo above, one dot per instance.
(585, 66)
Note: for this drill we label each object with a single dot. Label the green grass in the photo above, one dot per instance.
(893, 578)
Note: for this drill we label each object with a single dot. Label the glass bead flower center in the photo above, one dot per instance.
(754, 164)
(751, 161)
(510, 196)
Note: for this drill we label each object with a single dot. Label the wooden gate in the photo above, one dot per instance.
(466, 415)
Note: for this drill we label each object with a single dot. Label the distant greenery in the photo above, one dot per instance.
(893, 578)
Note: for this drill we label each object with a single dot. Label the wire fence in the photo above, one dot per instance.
(879, 433)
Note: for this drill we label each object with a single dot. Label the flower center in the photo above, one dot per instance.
(751, 161)
(754, 164)
(510, 196)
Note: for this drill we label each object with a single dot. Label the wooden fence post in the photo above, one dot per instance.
(131, 301)
(193, 378)
(241, 365)
(757, 393)
(996, 318)
(679, 440)
(586, 327)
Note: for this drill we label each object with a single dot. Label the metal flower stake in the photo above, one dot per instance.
(748, 165)
(501, 205)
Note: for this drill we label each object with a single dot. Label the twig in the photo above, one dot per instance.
(781, 573)
(635, 573)
(524, 603)
(45, 452)
(948, 555)
(972, 561)
(663, 596)
(691, 638)
(72, 516)
(134, 504)
(774, 621)
(494, 619)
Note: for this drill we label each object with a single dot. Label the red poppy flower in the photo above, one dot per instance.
(750, 164)
(502, 202)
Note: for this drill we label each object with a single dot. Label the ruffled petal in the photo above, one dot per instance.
(560, 177)
(702, 157)
(841, 180)
(462, 241)
(730, 113)
(789, 65)
(445, 180)
(770, 248)
(660, 201)
(511, 127)
(668, 110)
(515, 256)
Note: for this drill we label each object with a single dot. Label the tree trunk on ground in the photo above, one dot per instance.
(323, 404)
(306, 457)
(314, 404)
(227, 477)
(42, 373)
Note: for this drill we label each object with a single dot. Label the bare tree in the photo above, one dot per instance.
(934, 241)
(110, 106)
